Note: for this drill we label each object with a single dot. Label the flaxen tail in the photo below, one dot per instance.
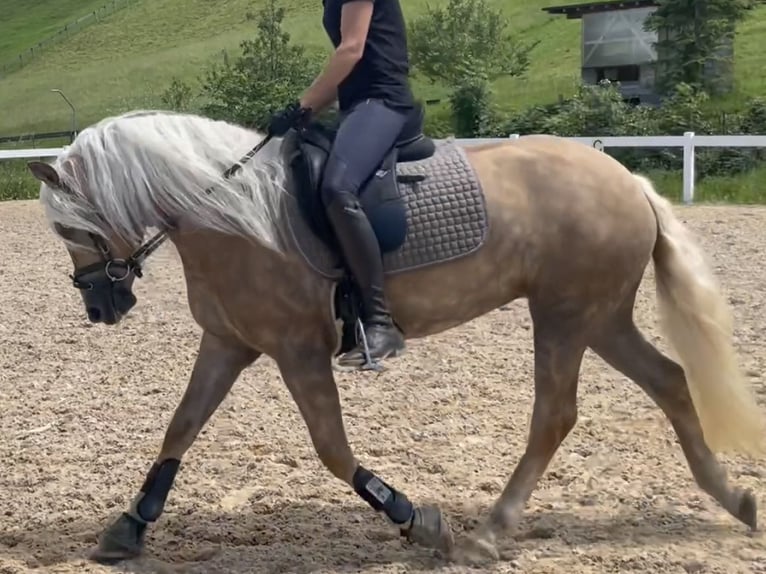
(697, 321)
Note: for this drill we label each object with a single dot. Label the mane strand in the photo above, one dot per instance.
(144, 169)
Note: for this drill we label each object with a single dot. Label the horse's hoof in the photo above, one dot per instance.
(430, 529)
(748, 510)
(121, 540)
(477, 549)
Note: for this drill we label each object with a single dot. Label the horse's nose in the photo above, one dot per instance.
(94, 314)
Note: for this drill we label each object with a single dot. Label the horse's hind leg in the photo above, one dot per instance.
(624, 348)
(217, 366)
(559, 343)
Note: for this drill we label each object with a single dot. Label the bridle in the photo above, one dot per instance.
(115, 270)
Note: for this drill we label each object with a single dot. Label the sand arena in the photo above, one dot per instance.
(84, 409)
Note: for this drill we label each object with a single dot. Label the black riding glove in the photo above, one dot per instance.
(292, 116)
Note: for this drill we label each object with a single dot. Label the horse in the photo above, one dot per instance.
(463, 229)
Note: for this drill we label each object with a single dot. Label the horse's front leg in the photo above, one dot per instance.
(217, 366)
(309, 377)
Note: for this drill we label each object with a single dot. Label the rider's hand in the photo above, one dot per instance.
(292, 116)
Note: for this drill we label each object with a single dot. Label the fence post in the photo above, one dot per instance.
(688, 193)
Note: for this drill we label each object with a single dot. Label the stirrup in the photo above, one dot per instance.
(369, 364)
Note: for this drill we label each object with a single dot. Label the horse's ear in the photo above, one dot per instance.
(45, 173)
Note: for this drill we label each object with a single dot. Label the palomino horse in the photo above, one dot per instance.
(557, 222)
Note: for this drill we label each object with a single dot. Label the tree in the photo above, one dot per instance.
(270, 73)
(177, 96)
(466, 45)
(597, 110)
(693, 37)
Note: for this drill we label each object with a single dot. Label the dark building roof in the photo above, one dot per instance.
(575, 11)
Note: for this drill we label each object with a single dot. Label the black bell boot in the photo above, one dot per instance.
(362, 255)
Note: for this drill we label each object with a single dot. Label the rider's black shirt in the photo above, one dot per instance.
(384, 68)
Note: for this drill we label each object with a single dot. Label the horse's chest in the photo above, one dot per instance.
(259, 317)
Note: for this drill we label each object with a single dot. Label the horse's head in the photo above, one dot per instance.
(127, 174)
(104, 269)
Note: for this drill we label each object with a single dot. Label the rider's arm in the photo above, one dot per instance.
(355, 22)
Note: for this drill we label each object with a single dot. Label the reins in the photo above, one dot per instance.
(136, 260)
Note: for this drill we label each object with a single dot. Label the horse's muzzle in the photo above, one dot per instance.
(109, 304)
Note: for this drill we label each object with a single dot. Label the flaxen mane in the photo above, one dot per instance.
(155, 166)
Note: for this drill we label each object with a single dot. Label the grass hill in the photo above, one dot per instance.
(24, 24)
(128, 59)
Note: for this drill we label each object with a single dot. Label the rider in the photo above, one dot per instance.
(368, 74)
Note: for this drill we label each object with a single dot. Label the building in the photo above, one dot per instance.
(615, 46)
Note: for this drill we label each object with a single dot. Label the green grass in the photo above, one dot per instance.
(27, 22)
(749, 62)
(16, 182)
(126, 61)
(748, 188)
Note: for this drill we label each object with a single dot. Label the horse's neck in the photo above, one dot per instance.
(217, 258)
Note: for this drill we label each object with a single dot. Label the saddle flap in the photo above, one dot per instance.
(383, 203)
(305, 153)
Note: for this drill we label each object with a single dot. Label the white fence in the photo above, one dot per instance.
(30, 153)
(689, 141)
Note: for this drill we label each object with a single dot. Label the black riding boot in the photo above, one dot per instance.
(362, 255)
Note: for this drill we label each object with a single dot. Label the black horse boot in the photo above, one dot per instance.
(361, 252)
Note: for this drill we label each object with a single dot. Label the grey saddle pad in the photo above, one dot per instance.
(446, 216)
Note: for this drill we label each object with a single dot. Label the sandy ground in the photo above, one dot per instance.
(84, 409)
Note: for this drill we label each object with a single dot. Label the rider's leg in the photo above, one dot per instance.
(364, 137)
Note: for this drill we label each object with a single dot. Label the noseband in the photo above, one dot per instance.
(109, 265)
(115, 270)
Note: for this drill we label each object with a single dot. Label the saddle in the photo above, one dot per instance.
(306, 151)
(425, 204)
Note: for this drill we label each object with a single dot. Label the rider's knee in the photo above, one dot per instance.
(338, 186)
